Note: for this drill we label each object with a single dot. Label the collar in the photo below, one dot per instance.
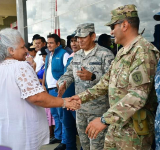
(57, 49)
(91, 53)
(124, 51)
(71, 55)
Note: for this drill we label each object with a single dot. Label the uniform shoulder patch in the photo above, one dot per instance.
(137, 77)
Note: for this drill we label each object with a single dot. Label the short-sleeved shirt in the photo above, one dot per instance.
(23, 126)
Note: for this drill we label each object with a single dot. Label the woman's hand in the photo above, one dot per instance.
(30, 59)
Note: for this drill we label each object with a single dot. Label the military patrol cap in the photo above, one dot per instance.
(122, 12)
(83, 30)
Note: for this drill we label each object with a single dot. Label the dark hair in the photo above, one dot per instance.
(134, 22)
(63, 43)
(104, 37)
(31, 49)
(28, 45)
(91, 33)
(43, 51)
(104, 40)
(69, 41)
(35, 36)
(41, 38)
(55, 37)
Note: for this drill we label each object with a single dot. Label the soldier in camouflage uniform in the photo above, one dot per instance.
(87, 67)
(129, 84)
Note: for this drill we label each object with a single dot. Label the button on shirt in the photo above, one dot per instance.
(51, 82)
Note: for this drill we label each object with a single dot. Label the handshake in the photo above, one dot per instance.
(72, 103)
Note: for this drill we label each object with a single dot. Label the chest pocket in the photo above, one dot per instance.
(76, 67)
(96, 65)
(123, 75)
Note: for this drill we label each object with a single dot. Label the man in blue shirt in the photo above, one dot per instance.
(69, 117)
(54, 68)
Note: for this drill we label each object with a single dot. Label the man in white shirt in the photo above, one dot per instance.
(39, 43)
(54, 68)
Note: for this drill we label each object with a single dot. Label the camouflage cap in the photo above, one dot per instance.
(123, 12)
(83, 30)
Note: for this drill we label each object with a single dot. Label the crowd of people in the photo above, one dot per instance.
(111, 90)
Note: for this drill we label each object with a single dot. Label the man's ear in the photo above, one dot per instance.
(11, 51)
(125, 25)
(93, 36)
(58, 43)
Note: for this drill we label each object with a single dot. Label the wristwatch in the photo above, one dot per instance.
(93, 77)
(103, 121)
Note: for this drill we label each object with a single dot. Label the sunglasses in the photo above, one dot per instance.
(113, 25)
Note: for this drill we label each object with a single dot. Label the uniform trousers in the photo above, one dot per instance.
(126, 138)
(82, 121)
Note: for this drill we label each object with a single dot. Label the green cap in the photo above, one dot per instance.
(83, 30)
(123, 12)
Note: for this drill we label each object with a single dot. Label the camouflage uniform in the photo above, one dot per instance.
(97, 62)
(129, 83)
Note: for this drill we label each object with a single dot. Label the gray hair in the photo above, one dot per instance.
(8, 38)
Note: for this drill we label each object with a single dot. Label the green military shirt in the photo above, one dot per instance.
(128, 82)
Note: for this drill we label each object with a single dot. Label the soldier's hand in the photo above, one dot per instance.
(71, 105)
(95, 127)
(75, 98)
(84, 74)
(61, 89)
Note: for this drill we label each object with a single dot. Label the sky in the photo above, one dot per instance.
(74, 12)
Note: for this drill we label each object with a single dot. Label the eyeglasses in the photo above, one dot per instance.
(113, 25)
